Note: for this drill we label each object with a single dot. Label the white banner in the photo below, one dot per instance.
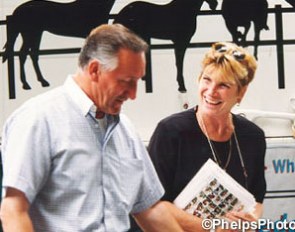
(280, 167)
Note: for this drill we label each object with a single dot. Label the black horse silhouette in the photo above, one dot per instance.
(30, 19)
(240, 13)
(174, 21)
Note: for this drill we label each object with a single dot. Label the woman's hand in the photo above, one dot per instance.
(246, 217)
(235, 216)
(250, 217)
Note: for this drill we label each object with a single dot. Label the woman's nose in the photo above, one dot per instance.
(212, 89)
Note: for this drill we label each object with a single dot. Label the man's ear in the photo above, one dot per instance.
(94, 69)
(242, 93)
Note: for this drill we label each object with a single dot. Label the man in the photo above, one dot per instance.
(71, 161)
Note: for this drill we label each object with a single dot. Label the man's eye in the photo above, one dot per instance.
(123, 81)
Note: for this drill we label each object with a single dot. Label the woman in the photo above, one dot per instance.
(184, 141)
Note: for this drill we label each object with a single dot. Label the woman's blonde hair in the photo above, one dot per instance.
(235, 63)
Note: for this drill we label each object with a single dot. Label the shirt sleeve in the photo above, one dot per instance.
(259, 189)
(150, 190)
(25, 152)
(254, 144)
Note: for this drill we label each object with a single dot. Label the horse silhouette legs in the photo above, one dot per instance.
(238, 37)
(35, 58)
(148, 74)
(179, 51)
(243, 38)
(24, 50)
(40, 78)
(31, 45)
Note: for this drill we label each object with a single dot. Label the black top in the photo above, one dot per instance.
(179, 148)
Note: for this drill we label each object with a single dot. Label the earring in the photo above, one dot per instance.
(238, 102)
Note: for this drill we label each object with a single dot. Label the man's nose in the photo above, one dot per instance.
(132, 91)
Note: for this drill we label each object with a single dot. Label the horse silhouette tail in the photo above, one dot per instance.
(4, 57)
(12, 34)
(263, 25)
(266, 27)
(264, 15)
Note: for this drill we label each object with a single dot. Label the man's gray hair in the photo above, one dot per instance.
(104, 43)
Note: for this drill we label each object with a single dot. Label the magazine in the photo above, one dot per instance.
(212, 193)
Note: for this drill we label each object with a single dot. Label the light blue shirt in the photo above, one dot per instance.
(76, 175)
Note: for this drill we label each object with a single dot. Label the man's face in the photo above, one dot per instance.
(116, 86)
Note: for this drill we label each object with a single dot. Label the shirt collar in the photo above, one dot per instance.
(79, 97)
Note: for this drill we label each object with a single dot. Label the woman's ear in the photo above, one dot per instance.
(242, 93)
(94, 69)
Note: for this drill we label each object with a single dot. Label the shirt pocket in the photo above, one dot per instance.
(131, 177)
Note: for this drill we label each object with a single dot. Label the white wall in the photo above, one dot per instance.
(149, 108)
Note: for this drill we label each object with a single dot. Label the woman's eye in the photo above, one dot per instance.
(206, 79)
(225, 86)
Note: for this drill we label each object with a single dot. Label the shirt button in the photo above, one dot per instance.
(96, 125)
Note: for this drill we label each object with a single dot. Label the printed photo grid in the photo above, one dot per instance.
(212, 192)
(213, 202)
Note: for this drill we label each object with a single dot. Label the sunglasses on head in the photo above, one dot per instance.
(224, 48)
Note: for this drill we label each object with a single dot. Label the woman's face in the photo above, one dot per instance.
(216, 95)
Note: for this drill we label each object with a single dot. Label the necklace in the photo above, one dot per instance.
(214, 151)
(241, 160)
(230, 152)
(217, 157)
